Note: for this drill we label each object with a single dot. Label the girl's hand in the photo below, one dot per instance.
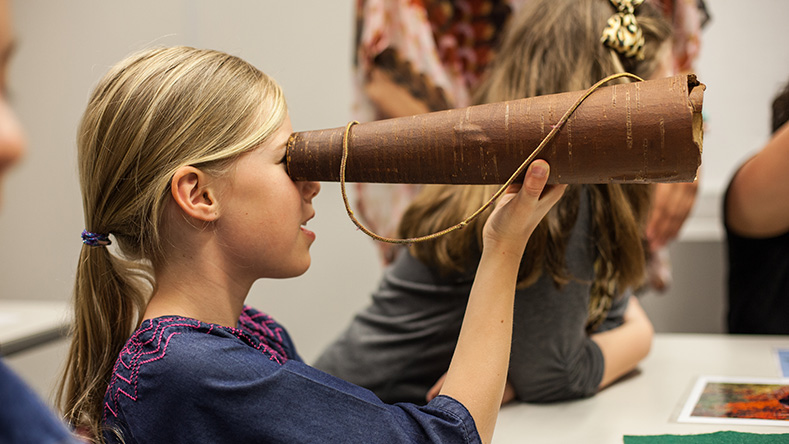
(670, 208)
(520, 209)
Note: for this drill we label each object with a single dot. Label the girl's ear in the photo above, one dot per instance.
(195, 194)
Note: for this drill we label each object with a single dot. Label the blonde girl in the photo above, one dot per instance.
(187, 203)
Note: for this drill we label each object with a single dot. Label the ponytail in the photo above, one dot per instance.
(109, 298)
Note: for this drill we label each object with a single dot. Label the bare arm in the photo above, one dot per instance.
(478, 371)
(756, 203)
(625, 346)
(509, 390)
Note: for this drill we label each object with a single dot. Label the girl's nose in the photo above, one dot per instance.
(310, 189)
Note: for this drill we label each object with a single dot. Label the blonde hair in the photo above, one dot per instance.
(154, 112)
(551, 46)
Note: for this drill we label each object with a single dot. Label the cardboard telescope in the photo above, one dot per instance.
(641, 132)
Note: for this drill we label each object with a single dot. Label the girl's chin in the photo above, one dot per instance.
(301, 268)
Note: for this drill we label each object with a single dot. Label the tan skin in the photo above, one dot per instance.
(671, 206)
(12, 140)
(756, 204)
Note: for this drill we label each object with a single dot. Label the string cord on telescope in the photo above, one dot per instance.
(548, 137)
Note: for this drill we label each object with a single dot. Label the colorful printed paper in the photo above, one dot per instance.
(751, 401)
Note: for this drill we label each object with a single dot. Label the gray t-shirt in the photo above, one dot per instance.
(403, 342)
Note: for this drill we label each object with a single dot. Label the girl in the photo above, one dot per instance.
(576, 327)
(181, 155)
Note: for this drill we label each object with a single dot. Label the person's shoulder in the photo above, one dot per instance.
(753, 202)
(264, 333)
(252, 317)
(171, 354)
(155, 337)
(184, 346)
(411, 274)
(24, 417)
(170, 364)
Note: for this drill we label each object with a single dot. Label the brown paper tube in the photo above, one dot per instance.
(639, 132)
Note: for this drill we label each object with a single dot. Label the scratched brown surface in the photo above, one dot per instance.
(640, 132)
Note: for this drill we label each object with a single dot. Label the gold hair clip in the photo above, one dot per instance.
(622, 33)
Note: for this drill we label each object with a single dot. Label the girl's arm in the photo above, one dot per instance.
(509, 390)
(756, 202)
(625, 346)
(478, 371)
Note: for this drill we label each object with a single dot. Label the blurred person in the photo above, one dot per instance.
(577, 327)
(418, 57)
(24, 417)
(756, 218)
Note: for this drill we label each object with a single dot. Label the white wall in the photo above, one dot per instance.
(744, 61)
(64, 47)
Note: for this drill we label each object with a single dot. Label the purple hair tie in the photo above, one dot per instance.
(95, 239)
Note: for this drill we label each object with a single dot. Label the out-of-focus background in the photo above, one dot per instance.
(65, 47)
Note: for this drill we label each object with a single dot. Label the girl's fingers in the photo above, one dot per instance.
(536, 178)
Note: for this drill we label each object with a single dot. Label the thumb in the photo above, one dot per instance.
(536, 178)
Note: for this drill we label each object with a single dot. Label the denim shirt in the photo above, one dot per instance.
(183, 380)
(24, 418)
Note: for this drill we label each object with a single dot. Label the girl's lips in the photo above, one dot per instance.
(308, 233)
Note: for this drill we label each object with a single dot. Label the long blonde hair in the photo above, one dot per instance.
(551, 46)
(154, 112)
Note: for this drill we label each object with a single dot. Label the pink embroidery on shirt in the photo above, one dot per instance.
(257, 330)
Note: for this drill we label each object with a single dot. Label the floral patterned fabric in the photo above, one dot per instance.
(433, 51)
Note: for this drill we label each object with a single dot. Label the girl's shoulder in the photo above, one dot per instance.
(256, 333)
(171, 361)
(263, 332)
(168, 353)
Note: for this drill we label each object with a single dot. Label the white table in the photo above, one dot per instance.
(25, 324)
(648, 402)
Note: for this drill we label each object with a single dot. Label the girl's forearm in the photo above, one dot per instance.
(478, 371)
(625, 346)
